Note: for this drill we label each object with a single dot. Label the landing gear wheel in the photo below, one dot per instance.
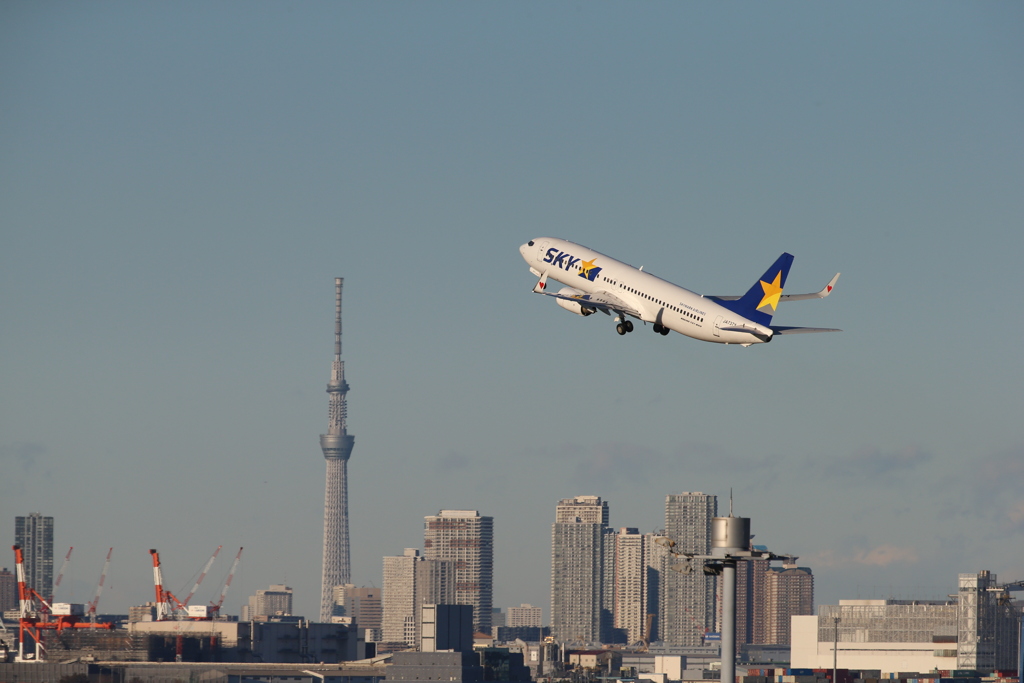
(629, 325)
(665, 331)
(658, 328)
(621, 328)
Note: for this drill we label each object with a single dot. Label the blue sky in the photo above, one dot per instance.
(180, 183)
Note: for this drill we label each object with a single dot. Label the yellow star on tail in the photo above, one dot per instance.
(772, 292)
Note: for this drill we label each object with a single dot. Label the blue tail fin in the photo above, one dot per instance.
(759, 303)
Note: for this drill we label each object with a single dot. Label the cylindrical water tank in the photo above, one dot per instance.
(731, 533)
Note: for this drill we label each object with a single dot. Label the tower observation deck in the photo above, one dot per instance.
(337, 447)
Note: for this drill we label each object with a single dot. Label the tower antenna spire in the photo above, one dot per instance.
(338, 282)
(337, 448)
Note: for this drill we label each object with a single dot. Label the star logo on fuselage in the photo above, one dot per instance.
(588, 270)
(772, 292)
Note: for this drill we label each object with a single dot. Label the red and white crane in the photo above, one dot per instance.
(60, 574)
(35, 612)
(99, 589)
(168, 606)
(215, 606)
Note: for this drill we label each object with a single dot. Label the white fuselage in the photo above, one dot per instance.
(657, 301)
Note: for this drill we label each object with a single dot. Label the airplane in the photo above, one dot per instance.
(596, 282)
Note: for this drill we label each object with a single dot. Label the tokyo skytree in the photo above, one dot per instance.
(337, 447)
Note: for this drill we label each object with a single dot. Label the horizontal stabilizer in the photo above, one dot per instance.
(747, 330)
(825, 291)
(801, 330)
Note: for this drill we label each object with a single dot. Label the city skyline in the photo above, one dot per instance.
(181, 184)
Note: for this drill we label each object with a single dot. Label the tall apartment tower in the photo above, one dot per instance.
(688, 600)
(639, 562)
(411, 581)
(751, 604)
(630, 588)
(788, 591)
(578, 569)
(34, 533)
(337, 447)
(467, 539)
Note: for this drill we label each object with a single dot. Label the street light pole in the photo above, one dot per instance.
(835, 649)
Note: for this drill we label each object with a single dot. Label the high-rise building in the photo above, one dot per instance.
(362, 603)
(8, 590)
(578, 569)
(34, 533)
(788, 591)
(411, 581)
(465, 538)
(631, 588)
(336, 445)
(687, 600)
(753, 604)
(398, 613)
(524, 615)
(750, 603)
(270, 602)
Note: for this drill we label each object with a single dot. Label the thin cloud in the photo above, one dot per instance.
(990, 487)
(879, 556)
(872, 462)
(23, 453)
(620, 461)
(452, 462)
(884, 555)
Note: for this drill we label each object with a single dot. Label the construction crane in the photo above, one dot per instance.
(167, 604)
(60, 574)
(200, 611)
(99, 589)
(1004, 591)
(34, 614)
(215, 606)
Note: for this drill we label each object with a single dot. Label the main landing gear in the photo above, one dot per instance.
(624, 327)
(661, 329)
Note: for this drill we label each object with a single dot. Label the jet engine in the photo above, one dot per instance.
(574, 306)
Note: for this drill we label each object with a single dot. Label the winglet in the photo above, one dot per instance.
(828, 288)
(542, 283)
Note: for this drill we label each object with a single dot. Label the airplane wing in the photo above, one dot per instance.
(801, 330)
(825, 291)
(603, 301)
